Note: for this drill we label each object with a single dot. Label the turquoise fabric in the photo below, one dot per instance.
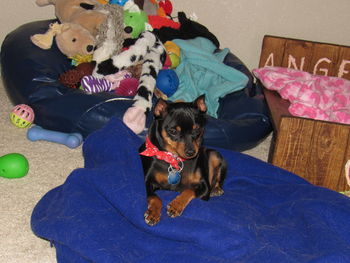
(202, 71)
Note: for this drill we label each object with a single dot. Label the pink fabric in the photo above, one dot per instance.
(135, 119)
(116, 78)
(311, 96)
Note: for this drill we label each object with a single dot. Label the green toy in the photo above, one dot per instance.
(135, 22)
(13, 165)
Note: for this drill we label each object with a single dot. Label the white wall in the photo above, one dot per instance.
(238, 24)
(15, 13)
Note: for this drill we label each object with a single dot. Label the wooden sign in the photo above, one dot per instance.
(315, 150)
(313, 57)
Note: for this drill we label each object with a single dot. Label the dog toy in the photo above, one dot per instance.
(79, 59)
(71, 140)
(149, 51)
(111, 33)
(118, 77)
(73, 77)
(114, 2)
(167, 82)
(174, 53)
(135, 20)
(158, 22)
(91, 84)
(127, 87)
(13, 165)
(86, 27)
(22, 116)
(165, 8)
(79, 23)
(71, 39)
(118, 2)
(172, 48)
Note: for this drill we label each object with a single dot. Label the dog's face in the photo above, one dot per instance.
(180, 126)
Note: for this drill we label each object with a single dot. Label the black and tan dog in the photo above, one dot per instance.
(173, 158)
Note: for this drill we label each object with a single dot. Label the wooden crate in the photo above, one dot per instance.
(315, 150)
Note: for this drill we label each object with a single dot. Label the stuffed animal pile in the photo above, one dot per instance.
(111, 46)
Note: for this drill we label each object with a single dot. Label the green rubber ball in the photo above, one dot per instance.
(13, 165)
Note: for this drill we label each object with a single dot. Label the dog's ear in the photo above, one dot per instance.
(160, 108)
(200, 103)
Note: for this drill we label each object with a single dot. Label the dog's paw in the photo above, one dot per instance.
(217, 191)
(152, 217)
(175, 208)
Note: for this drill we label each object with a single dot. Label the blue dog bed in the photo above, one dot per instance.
(266, 214)
(30, 76)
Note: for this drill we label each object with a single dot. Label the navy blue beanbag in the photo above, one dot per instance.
(265, 215)
(30, 76)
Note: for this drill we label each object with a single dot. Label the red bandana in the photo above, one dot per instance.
(152, 150)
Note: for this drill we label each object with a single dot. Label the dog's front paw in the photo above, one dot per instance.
(175, 208)
(217, 191)
(152, 217)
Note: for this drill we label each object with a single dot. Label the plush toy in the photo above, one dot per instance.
(149, 6)
(165, 8)
(135, 22)
(160, 8)
(87, 27)
(87, 13)
(72, 78)
(135, 19)
(109, 40)
(160, 21)
(149, 51)
(127, 87)
(159, 14)
(173, 52)
(71, 39)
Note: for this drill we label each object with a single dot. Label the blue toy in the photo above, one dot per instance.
(71, 140)
(167, 81)
(118, 2)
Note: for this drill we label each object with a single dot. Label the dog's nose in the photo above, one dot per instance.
(128, 29)
(90, 48)
(190, 153)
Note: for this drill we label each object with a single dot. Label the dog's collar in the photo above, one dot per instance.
(172, 159)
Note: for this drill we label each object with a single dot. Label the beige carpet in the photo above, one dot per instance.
(50, 164)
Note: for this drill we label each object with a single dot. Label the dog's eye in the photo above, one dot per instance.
(172, 132)
(196, 133)
(74, 40)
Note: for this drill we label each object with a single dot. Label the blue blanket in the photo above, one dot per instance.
(265, 215)
(202, 71)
